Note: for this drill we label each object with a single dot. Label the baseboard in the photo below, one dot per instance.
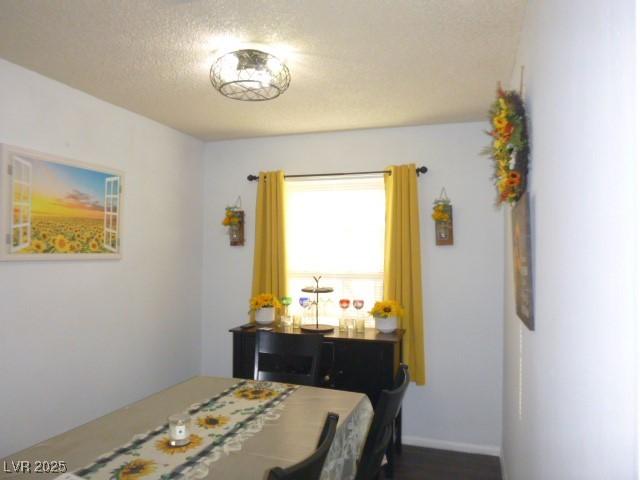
(455, 446)
(503, 466)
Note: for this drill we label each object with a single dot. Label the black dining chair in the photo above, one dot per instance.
(381, 430)
(311, 467)
(289, 358)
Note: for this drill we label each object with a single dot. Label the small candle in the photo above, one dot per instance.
(179, 426)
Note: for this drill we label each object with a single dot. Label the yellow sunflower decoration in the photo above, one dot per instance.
(232, 216)
(255, 393)
(441, 211)
(135, 469)
(164, 446)
(510, 146)
(61, 244)
(386, 309)
(38, 246)
(94, 245)
(264, 300)
(212, 421)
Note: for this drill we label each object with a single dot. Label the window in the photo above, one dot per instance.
(335, 228)
(111, 213)
(21, 191)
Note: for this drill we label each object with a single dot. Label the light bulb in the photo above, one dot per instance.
(263, 77)
(274, 65)
(228, 67)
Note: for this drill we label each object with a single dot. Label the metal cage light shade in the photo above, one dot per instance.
(250, 75)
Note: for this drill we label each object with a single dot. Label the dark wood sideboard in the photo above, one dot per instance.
(358, 362)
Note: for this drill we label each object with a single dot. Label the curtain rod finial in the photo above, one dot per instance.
(251, 178)
(422, 170)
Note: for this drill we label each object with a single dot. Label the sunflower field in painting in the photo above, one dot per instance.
(59, 208)
(66, 235)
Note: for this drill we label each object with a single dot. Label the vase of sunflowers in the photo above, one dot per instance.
(386, 315)
(264, 306)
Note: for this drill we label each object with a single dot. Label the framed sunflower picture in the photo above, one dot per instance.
(522, 261)
(57, 209)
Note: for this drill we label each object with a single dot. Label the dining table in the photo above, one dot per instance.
(238, 429)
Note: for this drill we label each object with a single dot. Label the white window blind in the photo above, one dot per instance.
(335, 228)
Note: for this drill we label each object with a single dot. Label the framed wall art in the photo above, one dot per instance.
(57, 209)
(521, 235)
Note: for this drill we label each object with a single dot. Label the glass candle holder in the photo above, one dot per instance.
(297, 321)
(286, 301)
(351, 326)
(360, 324)
(342, 324)
(179, 434)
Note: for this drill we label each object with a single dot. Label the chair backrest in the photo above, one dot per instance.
(290, 358)
(311, 467)
(381, 428)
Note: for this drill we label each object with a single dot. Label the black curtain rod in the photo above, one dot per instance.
(419, 170)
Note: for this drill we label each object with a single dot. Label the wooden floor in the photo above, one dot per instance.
(418, 463)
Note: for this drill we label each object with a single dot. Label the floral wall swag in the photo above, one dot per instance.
(510, 152)
(510, 147)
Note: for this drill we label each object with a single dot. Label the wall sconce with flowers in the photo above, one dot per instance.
(443, 216)
(234, 219)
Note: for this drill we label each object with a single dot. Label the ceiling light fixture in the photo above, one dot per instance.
(250, 75)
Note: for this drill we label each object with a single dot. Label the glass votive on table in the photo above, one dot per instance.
(297, 321)
(287, 322)
(351, 326)
(179, 434)
(360, 324)
(342, 324)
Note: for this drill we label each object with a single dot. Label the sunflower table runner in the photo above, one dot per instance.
(218, 425)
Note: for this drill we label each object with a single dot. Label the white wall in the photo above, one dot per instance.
(576, 416)
(460, 407)
(81, 338)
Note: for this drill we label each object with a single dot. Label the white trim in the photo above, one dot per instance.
(454, 446)
(503, 467)
(636, 147)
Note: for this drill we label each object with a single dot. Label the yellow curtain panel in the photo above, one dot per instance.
(402, 263)
(269, 260)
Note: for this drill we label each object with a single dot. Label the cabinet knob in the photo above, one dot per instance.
(327, 378)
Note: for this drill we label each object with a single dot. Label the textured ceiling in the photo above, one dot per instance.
(354, 63)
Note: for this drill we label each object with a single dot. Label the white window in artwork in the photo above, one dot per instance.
(21, 195)
(111, 213)
(335, 228)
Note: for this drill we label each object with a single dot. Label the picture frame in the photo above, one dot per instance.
(53, 208)
(522, 260)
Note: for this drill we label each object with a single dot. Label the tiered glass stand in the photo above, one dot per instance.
(317, 327)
